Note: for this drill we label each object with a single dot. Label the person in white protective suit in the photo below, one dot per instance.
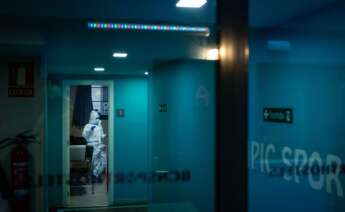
(93, 133)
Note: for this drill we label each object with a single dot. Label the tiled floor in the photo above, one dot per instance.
(99, 198)
(98, 202)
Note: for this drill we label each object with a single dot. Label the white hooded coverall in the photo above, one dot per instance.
(93, 133)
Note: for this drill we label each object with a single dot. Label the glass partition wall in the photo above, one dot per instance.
(296, 106)
(130, 107)
(131, 117)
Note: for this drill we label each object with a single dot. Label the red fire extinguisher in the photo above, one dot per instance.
(20, 179)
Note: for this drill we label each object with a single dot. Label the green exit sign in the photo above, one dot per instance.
(280, 115)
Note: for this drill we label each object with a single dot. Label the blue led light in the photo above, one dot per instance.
(147, 27)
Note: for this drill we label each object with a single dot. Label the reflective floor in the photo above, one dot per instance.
(98, 198)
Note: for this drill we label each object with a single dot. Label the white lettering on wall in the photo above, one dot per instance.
(287, 153)
(301, 159)
(322, 174)
(255, 148)
(335, 162)
(270, 148)
(314, 183)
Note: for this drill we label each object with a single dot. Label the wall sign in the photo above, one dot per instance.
(202, 96)
(21, 79)
(120, 113)
(281, 115)
(163, 108)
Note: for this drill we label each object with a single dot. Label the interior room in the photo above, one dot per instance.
(159, 84)
(158, 61)
(173, 106)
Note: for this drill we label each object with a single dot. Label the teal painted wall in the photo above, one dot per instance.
(131, 141)
(183, 138)
(131, 136)
(316, 95)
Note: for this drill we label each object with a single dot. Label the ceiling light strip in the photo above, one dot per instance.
(191, 3)
(146, 27)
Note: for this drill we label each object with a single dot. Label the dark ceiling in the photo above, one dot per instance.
(263, 13)
(131, 10)
(270, 13)
(94, 48)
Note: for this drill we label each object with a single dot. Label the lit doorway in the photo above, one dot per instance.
(87, 143)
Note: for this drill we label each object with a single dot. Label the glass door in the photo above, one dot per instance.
(182, 103)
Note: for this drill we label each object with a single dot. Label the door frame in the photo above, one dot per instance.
(66, 85)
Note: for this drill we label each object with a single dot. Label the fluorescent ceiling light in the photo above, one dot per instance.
(191, 3)
(99, 69)
(120, 55)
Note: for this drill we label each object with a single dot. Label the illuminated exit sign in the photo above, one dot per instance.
(280, 115)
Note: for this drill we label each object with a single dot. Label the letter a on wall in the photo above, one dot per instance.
(21, 79)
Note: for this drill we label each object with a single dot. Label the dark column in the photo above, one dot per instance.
(232, 106)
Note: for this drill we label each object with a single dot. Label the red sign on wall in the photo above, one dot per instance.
(21, 79)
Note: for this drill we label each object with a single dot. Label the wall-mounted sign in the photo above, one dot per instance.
(120, 113)
(281, 115)
(21, 79)
(163, 108)
(202, 96)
